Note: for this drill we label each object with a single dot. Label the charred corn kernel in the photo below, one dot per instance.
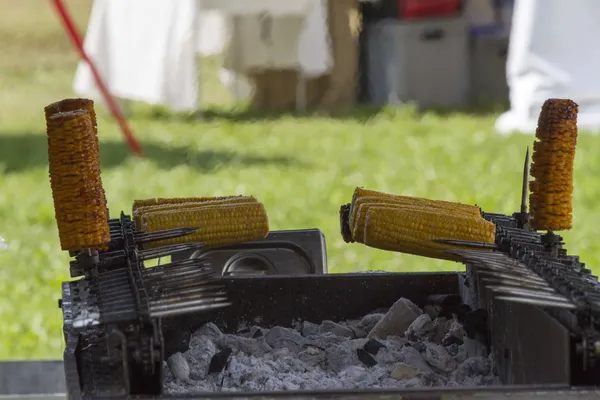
(218, 224)
(550, 200)
(345, 223)
(413, 231)
(363, 207)
(141, 210)
(176, 200)
(79, 199)
(67, 105)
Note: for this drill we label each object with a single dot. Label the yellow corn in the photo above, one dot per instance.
(412, 231)
(398, 199)
(75, 179)
(175, 200)
(218, 225)
(363, 204)
(551, 198)
(365, 196)
(206, 201)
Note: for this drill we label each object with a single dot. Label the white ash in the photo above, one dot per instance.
(401, 348)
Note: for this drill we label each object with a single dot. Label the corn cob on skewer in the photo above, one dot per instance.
(67, 105)
(413, 230)
(176, 200)
(79, 199)
(363, 204)
(386, 197)
(218, 225)
(207, 201)
(75, 104)
(550, 201)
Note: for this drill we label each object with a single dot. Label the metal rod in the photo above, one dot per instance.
(168, 250)
(467, 243)
(173, 266)
(525, 187)
(159, 306)
(111, 254)
(513, 267)
(184, 290)
(535, 278)
(497, 258)
(187, 273)
(187, 310)
(198, 294)
(537, 302)
(516, 284)
(521, 231)
(182, 281)
(514, 271)
(174, 300)
(163, 235)
(528, 293)
(155, 273)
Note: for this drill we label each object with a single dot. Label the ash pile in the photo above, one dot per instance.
(400, 347)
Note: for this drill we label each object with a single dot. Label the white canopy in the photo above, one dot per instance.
(146, 50)
(554, 53)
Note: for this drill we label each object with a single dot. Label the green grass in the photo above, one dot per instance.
(301, 168)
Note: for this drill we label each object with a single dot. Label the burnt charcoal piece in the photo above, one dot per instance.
(257, 334)
(372, 346)
(176, 341)
(219, 361)
(461, 312)
(453, 349)
(365, 357)
(420, 347)
(476, 323)
(449, 340)
(450, 304)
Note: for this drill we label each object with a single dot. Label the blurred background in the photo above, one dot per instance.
(295, 104)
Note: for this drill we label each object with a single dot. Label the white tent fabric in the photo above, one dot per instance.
(146, 49)
(554, 53)
(275, 7)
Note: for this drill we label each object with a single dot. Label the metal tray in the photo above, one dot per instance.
(281, 252)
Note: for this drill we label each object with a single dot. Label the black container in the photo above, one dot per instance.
(283, 300)
(378, 10)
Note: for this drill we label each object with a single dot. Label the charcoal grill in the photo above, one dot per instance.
(286, 299)
(538, 307)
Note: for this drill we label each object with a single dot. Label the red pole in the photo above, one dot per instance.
(110, 101)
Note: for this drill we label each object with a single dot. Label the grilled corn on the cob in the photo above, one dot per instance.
(363, 204)
(199, 201)
(176, 200)
(412, 230)
(550, 201)
(218, 225)
(365, 195)
(79, 199)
